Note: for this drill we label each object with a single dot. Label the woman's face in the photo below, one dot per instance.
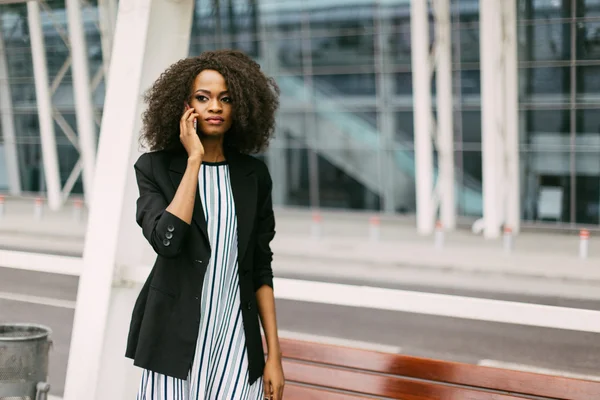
(212, 102)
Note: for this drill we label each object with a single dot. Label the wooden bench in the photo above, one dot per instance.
(316, 371)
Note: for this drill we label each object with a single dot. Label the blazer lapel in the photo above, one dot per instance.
(244, 187)
(176, 171)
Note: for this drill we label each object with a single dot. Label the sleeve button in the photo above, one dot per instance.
(169, 235)
(166, 242)
(170, 228)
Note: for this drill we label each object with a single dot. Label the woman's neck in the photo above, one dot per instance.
(213, 149)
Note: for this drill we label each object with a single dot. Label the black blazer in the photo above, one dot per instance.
(165, 320)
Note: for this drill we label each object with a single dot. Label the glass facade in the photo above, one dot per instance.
(345, 128)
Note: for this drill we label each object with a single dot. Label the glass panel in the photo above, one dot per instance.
(588, 84)
(289, 52)
(404, 133)
(344, 50)
(352, 17)
(468, 35)
(401, 178)
(471, 129)
(546, 183)
(544, 123)
(470, 82)
(588, 40)
(346, 84)
(588, 8)
(468, 170)
(340, 187)
(298, 186)
(403, 83)
(546, 84)
(541, 41)
(545, 9)
(587, 187)
(468, 10)
(398, 42)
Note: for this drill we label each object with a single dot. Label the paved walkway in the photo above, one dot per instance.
(342, 247)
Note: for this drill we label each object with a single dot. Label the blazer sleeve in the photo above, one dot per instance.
(265, 232)
(164, 231)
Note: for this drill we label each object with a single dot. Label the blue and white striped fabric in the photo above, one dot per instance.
(220, 368)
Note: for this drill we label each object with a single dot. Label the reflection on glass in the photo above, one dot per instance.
(346, 84)
(403, 83)
(468, 173)
(470, 82)
(469, 42)
(471, 125)
(588, 84)
(545, 123)
(298, 181)
(588, 40)
(289, 52)
(340, 187)
(587, 189)
(546, 9)
(546, 184)
(404, 133)
(588, 124)
(546, 84)
(543, 41)
(349, 49)
(397, 43)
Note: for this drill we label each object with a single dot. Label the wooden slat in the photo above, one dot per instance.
(381, 385)
(443, 371)
(296, 392)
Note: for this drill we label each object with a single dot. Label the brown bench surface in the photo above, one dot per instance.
(328, 372)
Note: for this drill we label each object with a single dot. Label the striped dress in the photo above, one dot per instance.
(220, 367)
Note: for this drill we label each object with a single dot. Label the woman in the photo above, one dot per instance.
(205, 207)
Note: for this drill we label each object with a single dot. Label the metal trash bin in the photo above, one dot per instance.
(24, 352)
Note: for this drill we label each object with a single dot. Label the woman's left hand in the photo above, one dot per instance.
(273, 379)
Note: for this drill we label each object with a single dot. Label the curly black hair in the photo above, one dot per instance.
(255, 101)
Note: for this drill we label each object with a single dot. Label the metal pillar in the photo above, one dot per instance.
(499, 115)
(511, 115)
(444, 105)
(8, 123)
(82, 94)
(429, 198)
(149, 36)
(386, 87)
(44, 104)
(107, 16)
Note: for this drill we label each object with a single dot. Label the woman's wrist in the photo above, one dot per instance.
(195, 159)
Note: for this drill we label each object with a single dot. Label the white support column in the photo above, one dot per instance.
(8, 123)
(511, 116)
(499, 115)
(107, 15)
(44, 103)
(82, 93)
(444, 105)
(421, 75)
(150, 35)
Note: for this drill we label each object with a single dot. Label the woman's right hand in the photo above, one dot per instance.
(188, 136)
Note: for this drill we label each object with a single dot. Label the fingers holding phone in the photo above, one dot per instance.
(188, 135)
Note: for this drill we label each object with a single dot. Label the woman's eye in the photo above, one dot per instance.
(226, 99)
(201, 98)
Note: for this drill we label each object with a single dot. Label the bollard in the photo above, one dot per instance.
(77, 209)
(1, 205)
(374, 228)
(584, 239)
(508, 240)
(37, 208)
(316, 225)
(439, 235)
